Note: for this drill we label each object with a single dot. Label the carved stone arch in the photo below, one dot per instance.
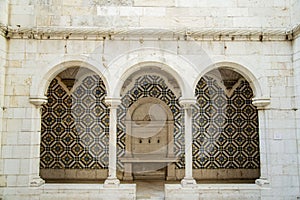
(41, 83)
(169, 80)
(175, 65)
(254, 78)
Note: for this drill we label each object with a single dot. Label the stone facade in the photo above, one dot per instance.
(179, 40)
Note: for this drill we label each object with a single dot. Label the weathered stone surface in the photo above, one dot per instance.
(255, 44)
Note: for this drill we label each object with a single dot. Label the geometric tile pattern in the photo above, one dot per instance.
(225, 129)
(152, 86)
(75, 126)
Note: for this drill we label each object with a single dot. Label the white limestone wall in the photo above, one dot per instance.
(270, 62)
(4, 5)
(296, 62)
(295, 15)
(152, 13)
(2, 103)
(3, 46)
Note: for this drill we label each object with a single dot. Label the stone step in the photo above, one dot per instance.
(154, 175)
(149, 177)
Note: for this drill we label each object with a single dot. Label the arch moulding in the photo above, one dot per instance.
(175, 65)
(47, 74)
(255, 79)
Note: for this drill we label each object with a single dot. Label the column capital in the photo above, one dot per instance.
(113, 102)
(38, 101)
(187, 103)
(261, 102)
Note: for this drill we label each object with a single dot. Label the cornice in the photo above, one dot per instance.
(296, 31)
(3, 30)
(101, 33)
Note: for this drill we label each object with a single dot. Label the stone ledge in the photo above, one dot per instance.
(217, 191)
(71, 192)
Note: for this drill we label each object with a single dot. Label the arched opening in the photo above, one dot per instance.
(150, 139)
(225, 128)
(74, 131)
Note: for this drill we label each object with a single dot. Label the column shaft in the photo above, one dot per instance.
(112, 166)
(112, 180)
(188, 180)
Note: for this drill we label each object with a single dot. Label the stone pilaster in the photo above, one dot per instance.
(36, 180)
(261, 105)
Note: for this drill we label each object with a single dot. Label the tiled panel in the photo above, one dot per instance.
(225, 129)
(75, 126)
(152, 86)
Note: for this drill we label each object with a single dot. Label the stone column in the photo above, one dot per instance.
(112, 180)
(36, 180)
(261, 104)
(188, 180)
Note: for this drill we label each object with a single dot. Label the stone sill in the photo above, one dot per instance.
(49, 187)
(217, 186)
(70, 192)
(217, 191)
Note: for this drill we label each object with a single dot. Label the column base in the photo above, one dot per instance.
(111, 182)
(263, 182)
(37, 182)
(188, 182)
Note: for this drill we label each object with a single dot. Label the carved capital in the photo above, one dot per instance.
(112, 102)
(187, 103)
(261, 103)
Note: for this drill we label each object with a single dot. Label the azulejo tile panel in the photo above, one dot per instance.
(75, 126)
(225, 128)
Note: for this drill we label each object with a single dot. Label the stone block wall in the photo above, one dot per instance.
(274, 63)
(295, 16)
(3, 51)
(296, 63)
(269, 61)
(154, 13)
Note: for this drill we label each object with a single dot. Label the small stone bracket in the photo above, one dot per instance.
(261, 103)
(38, 101)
